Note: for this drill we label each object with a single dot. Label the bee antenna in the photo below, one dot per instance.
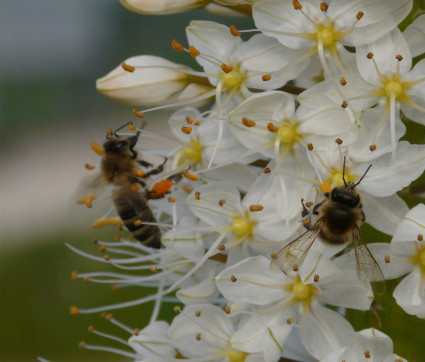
(119, 128)
(361, 178)
(343, 172)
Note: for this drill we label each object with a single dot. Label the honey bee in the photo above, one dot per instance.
(119, 168)
(339, 216)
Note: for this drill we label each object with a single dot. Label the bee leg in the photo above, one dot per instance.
(316, 208)
(156, 170)
(363, 216)
(133, 141)
(144, 163)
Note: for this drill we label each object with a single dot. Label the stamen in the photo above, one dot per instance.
(296, 5)
(387, 259)
(256, 207)
(372, 147)
(106, 221)
(338, 141)
(248, 122)
(186, 130)
(177, 46)
(87, 200)
(89, 167)
(226, 68)
(324, 6)
(359, 15)
(193, 51)
(233, 279)
(97, 148)
(342, 81)
(266, 77)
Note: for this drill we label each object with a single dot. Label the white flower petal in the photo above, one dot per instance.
(412, 225)
(384, 213)
(198, 293)
(324, 331)
(415, 36)
(162, 6)
(255, 282)
(377, 343)
(409, 294)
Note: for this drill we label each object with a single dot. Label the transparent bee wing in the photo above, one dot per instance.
(291, 256)
(366, 264)
(92, 185)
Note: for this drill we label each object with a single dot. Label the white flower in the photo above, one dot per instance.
(206, 331)
(415, 36)
(326, 28)
(277, 300)
(370, 345)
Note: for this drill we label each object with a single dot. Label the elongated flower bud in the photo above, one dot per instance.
(146, 80)
(162, 7)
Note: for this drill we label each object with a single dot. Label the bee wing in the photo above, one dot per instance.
(366, 264)
(293, 254)
(92, 185)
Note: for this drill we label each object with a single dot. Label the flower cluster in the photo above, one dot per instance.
(284, 142)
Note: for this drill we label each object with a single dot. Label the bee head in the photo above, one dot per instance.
(345, 195)
(120, 144)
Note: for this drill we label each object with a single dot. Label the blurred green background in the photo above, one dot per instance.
(52, 51)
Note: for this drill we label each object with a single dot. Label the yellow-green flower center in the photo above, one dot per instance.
(234, 356)
(242, 226)
(287, 133)
(326, 36)
(193, 152)
(393, 87)
(421, 258)
(303, 291)
(336, 178)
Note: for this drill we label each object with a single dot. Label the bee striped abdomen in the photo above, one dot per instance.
(134, 211)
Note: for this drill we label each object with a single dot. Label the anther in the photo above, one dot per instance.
(186, 130)
(309, 204)
(367, 353)
(193, 51)
(324, 187)
(256, 207)
(110, 132)
(87, 200)
(272, 128)
(372, 147)
(137, 222)
(420, 237)
(138, 113)
(95, 240)
(171, 199)
(234, 31)
(190, 120)
(387, 259)
(154, 268)
(316, 278)
(132, 127)
(190, 176)
(221, 202)
(139, 173)
(97, 148)
(399, 57)
(227, 309)
(295, 268)
(359, 15)
(273, 256)
(107, 257)
(86, 279)
(127, 68)
(117, 237)
(81, 345)
(233, 278)
(342, 81)
(226, 68)
(221, 247)
(297, 5)
(324, 6)
(136, 332)
(266, 77)
(344, 104)
(310, 147)
(266, 170)
(90, 329)
(73, 310)
(338, 141)
(89, 167)
(290, 320)
(74, 275)
(109, 316)
(369, 55)
(177, 309)
(198, 337)
(102, 248)
(106, 221)
(177, 46)
(198, 313)
(248, 122)
(197, 195)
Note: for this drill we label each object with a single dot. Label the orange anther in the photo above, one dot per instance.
(372, 147)
(177, 46)
(359, 15)
(267, 170)
(190, 120)
(190, 176)
(256, 207)
(233, 278)
(97, 148)
(221, 202)
(171, 199)
(297, 5)
(197, 195)
(139, 173)
(248, 122)
(106, 221)
(324, 187)
(193, 51)
(89, 167)
(369, 55)
(226, 68)
(186, 130)
(310, 147)
(73, 310)
(399, 57)
(234, 31)
(87, 200)
(290, 320)
(138, 113)
(137, 222)
(266, 77)
(338, 141)
(342, 81)
(132, 127)
(128, 68)
(387, 259)
(74, 275)
(110, 132)
(324, 6)
(344, 104)
(162, 187)
(272, 128)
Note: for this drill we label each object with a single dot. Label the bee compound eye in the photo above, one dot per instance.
(120, 145)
